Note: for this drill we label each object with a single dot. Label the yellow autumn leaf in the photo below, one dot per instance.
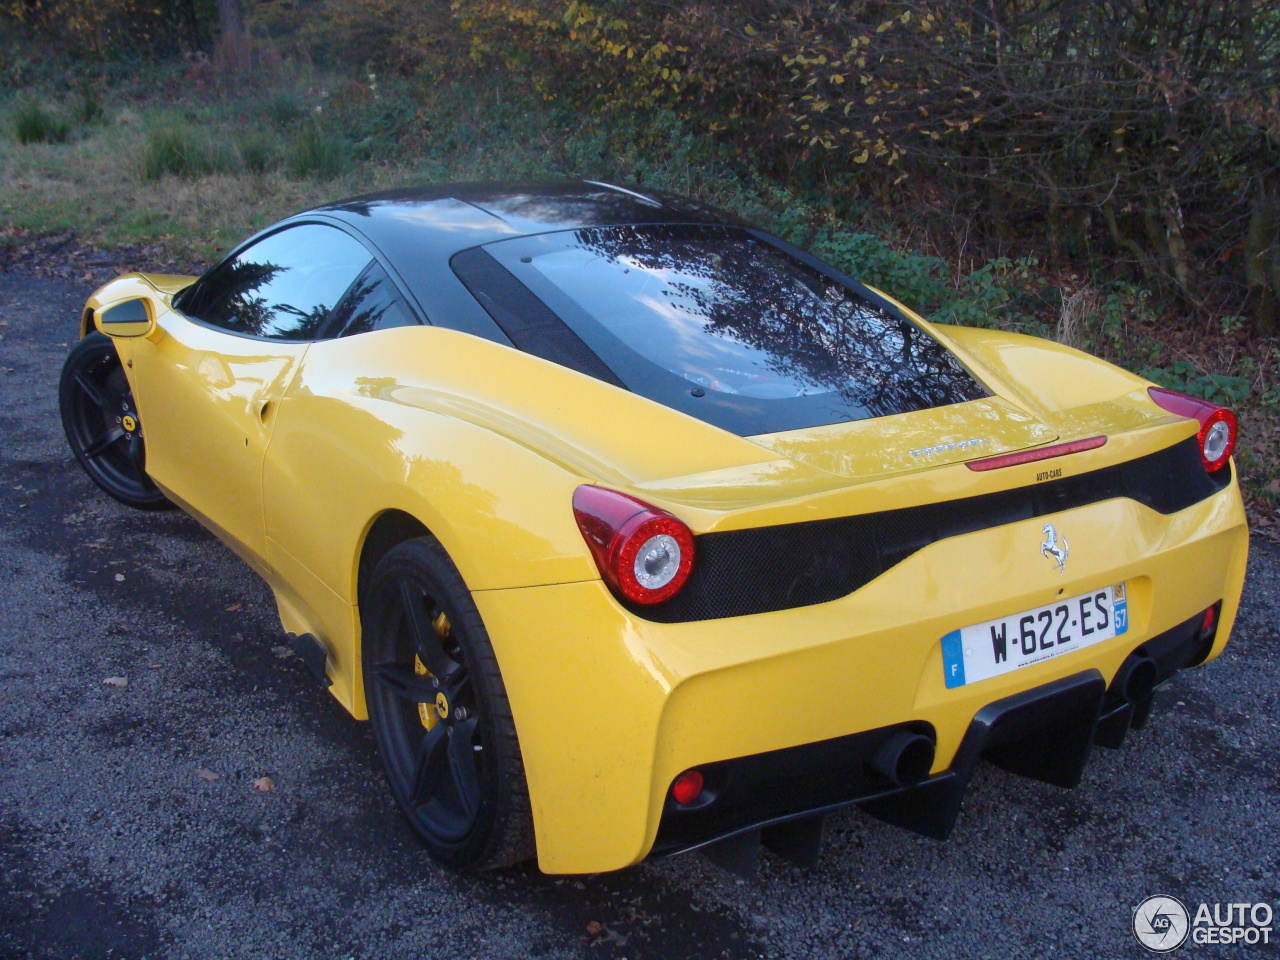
(862, 157)
(749, 30)
(884, 26)
(837, 78)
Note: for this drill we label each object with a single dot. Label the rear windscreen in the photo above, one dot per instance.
(731, 329)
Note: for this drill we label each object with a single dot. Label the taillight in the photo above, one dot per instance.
(1217, 436)
(644, 553)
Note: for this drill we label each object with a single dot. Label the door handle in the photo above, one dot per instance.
(264, 411)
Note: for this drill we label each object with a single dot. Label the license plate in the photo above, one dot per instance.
(1009, 643)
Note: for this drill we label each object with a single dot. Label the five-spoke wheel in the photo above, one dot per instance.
(102, 423)
(440, 712)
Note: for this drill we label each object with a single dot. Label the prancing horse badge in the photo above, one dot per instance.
(1050, 547)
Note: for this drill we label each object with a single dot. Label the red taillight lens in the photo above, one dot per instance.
(687, 787)
(644, 553)
(1217, 436)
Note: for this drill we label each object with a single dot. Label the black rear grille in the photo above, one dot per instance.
(741, 572)
(748, 791)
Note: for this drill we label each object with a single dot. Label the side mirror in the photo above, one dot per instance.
(128, 318)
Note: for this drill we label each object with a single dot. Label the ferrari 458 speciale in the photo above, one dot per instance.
(634, 529)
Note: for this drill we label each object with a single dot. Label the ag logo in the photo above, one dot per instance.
(1050, 547)
(1161, 924)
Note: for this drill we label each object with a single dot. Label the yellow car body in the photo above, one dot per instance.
(294, 453)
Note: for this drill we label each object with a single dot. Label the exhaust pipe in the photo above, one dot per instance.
(905, 758)
(1136, 678)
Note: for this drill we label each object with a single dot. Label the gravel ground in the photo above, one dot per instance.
(112, 845)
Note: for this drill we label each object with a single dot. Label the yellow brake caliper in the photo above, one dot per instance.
(427, 711)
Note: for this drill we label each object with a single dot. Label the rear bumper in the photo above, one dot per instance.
(610, 708)
(1045, 733)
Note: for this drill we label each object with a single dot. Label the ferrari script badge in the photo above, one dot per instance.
(1051, 549)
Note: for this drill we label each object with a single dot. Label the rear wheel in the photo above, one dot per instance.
(102, 423)
(440, 713)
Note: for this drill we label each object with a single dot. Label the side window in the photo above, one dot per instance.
(284, 286)
(372, 303)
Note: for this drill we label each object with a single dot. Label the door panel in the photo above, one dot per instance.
(208, 400)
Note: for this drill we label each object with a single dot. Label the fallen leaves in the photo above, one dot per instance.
(234, 607)
(264, 784)
(119, 578)
(119, 683)
(594, 928)
(209, 775)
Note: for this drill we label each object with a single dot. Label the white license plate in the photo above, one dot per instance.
(1000, 646)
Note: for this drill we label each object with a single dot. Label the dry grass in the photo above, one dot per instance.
(94, 187)
(1076, 316)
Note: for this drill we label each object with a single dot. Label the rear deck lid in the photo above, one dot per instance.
(912, 441)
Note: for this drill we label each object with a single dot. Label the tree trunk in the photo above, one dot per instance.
(230, 18)
(1262, 261)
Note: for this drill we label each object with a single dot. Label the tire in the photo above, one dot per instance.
(440, 712)
(102, 424)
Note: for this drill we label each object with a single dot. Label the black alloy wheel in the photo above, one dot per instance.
(440, 713)
(102, 423)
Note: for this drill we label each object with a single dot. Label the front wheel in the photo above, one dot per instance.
(102, 423)
(440, 713)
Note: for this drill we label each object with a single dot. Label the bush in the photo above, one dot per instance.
(34, 124)
(1215, 387)
(284, 108)
(184, 154)
(258, 152)
(319, 153)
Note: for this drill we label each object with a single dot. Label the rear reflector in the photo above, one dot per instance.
(1040, 453)
(1210, 621)
(687, 787)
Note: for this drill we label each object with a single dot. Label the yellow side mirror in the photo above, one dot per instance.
(128, 318)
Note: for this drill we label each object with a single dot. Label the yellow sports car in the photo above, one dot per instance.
(634, 529)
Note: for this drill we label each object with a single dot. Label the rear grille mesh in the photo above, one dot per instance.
(741, 572)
